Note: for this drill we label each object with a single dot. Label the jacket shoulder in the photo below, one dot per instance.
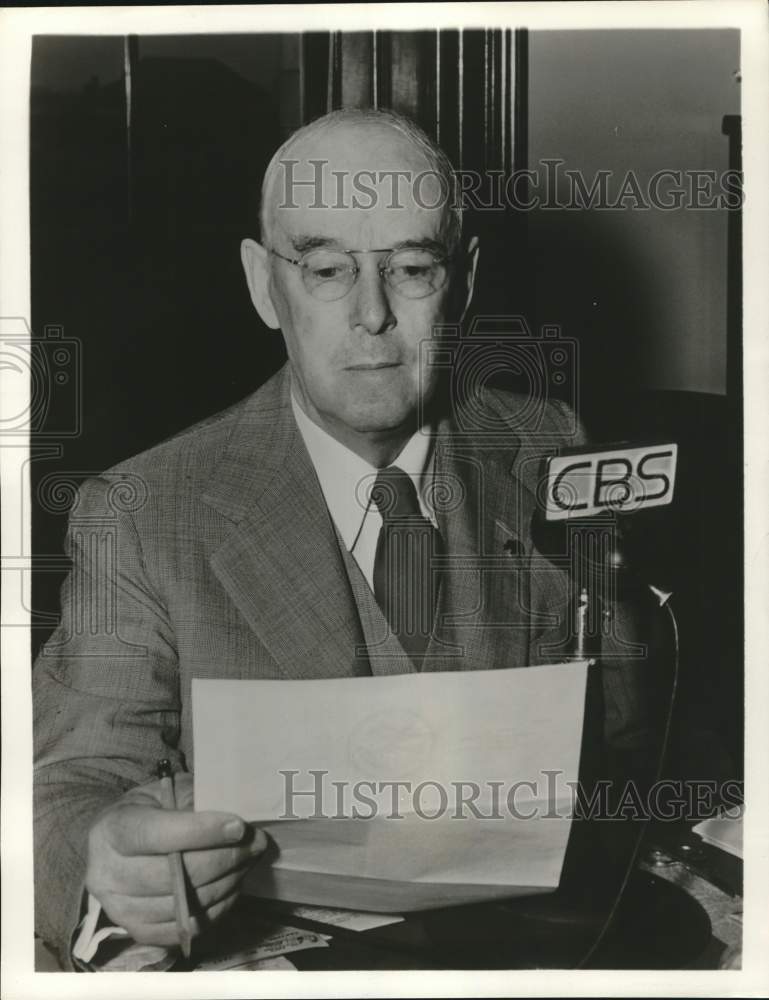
(532, 421)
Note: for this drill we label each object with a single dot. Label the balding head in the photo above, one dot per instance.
(354, 159)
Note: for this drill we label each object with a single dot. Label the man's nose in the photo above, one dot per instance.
(369, 301)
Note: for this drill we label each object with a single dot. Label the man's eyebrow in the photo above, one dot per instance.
(423, 244)
(304, 243)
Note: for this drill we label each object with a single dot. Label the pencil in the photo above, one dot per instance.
(181, 909)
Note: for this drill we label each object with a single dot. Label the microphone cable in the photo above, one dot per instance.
(663, 599)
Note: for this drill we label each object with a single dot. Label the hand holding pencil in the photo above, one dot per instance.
(129, 871)
(178, 876)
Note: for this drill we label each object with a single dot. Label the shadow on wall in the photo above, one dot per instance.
(592, 280)
(576, 272)
(136, 255)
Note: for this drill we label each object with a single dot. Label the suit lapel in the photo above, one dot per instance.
(281, 562)
(481, 620)
(282, 566)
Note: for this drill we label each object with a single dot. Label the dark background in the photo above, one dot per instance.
(146, 159)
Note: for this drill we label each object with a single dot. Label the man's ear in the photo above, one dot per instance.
(257, 270)
(473, 250)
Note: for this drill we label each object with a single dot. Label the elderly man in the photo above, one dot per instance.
(259, 544)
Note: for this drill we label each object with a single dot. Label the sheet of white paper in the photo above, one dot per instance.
(723, 831)
(351, 920)
(246, 964)
(281, 940)
(483, 761)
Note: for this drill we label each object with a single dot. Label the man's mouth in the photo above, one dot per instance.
(373, 366)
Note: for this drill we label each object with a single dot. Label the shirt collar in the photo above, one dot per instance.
(346, 479)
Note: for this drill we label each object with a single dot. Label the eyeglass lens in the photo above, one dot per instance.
(413, 272)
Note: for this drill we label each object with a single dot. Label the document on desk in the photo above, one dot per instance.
(397, 793)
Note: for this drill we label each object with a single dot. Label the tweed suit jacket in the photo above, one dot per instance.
(213, 555)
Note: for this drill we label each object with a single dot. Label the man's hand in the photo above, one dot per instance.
(128, 870)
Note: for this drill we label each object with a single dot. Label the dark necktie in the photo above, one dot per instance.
(405, 580)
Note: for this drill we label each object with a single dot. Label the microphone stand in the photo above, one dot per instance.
(600, 569)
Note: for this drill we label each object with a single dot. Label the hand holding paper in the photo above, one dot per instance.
(401, 792)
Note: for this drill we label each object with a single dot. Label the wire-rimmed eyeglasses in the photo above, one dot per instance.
(413, 272)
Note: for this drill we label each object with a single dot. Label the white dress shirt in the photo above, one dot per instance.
(346, 480)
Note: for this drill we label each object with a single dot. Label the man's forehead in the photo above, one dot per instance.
(374, 228)
(358, 181)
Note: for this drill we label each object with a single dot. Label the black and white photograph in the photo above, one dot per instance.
(384, 465)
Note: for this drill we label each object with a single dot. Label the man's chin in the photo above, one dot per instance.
(371, 420)
(377, 425)
(379, 412)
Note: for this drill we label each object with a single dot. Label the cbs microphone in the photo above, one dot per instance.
(587, 495)
(582, 483)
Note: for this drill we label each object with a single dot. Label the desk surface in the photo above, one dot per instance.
(664, 922)
(670, 917)
(714, 879)
(673, 915)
